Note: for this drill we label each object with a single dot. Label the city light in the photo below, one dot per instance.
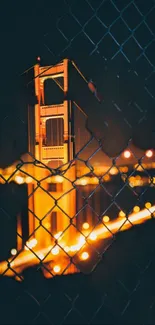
(31, 244)
(79, 245)
(100, 232)
(66, 249)
(83, 182)
(13, 251)
(85, 225)
(149, 153)
(136, 209)
(84, 256)
(123, 169)
(57, 236)
(127, 154)
(113, 171)
(106, 178)
(28, 180)
(55, 250)
(19, 180)
(121, 214)
(41, 256)
(93, 236)
(148, 205)
(58, 179)
(134, 218)
(105, 219)
(73, 248)
(56, 268)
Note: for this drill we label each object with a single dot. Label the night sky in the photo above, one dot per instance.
(22, 26)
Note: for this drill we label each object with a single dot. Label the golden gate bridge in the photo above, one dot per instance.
(53, 135)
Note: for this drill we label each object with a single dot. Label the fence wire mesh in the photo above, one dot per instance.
(80, 231)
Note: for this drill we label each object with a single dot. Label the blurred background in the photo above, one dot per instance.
(112, 43)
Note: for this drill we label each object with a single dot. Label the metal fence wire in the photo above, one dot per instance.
(78, 233)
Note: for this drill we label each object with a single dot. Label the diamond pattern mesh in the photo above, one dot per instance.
(99, 267)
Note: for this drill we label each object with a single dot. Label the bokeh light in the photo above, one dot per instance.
(55, 250)
(57, 268)
(13, 251)
(127, 154)
(148, 205)
(136, 209)
(105, 219)
(84, 256)
(149, 153)
(122, 214)
(85, 225)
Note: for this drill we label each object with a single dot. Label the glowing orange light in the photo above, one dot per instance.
(93, 236)
(28, 179)
(66, 249)
(149, 153)
(134, 218)
(47, 225)
(83, 181)
(136, 209)
(84, 256)
(2, 181)
(91, 86)
(85, 225)
(132, 179)
(57, 236)
(100, 232)
(106, 178)
(73, 248)
(13, 251)
(55, 250)
(113, 171)
(127, 154)
(19, 179)
(56, 268)
(34, 242)
(49, 180)
(124, 169)
(106, 219)
(58, 179)
(30, 244)
(138, 177)
(41, 256)
(122, 214)
(148, 205)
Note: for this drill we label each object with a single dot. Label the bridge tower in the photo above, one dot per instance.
(51, 141)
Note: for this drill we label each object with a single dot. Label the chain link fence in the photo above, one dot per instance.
(87, 255)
